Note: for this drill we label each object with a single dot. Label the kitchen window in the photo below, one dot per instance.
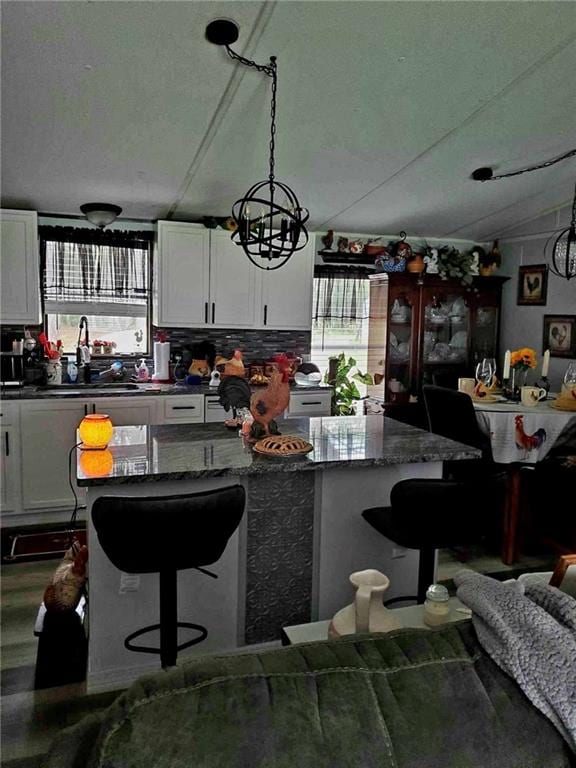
(340, 318)
(104, 275)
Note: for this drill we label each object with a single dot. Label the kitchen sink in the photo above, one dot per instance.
(111, 387)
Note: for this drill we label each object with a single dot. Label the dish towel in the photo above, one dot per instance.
(529, 630)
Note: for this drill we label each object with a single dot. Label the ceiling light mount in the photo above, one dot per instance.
(101, 214)
(487, 174)
(270, 218)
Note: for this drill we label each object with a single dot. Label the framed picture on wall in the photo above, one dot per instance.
(532, 284)
(560, 335)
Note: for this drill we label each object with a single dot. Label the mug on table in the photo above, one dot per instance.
(532, 395)
(467, 386)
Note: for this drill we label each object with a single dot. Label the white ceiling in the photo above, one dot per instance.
(384, 109)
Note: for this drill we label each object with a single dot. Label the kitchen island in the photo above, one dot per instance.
(301, 536)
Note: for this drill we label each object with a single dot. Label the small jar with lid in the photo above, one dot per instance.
(436, 606)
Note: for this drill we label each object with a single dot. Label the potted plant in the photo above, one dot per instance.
(346, 393)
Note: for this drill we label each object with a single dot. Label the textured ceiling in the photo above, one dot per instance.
(384, 109)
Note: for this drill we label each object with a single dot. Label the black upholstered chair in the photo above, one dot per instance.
(451, 414)
(432, 514)
(166, 534)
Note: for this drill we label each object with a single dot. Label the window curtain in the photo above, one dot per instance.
(101, 267)
(341, 297)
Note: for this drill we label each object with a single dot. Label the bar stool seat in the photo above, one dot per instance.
(166, 534)
(432, 514)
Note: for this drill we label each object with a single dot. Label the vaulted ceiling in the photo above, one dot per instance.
(384, 109)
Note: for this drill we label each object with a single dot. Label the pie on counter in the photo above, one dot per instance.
(283, 445)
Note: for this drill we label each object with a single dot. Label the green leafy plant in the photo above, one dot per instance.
(346, 392)
(454, 265)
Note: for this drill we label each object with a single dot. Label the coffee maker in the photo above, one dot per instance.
(11, 369)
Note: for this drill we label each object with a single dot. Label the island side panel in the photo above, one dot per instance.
(279, 554)
(347, 543)
(115, 610)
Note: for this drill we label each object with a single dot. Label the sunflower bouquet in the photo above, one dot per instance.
(523, 359)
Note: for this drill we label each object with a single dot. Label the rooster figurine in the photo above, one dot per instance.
(528, 442)
(234, 366)
(273, 401)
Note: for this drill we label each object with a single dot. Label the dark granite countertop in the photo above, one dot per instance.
(85, 391)
(155, 453)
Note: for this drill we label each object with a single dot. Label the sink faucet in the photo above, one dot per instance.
(83, 351)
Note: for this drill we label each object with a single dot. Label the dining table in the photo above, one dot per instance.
(519, 435)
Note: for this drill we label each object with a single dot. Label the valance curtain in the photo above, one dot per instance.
(103, 268)
(341, 297)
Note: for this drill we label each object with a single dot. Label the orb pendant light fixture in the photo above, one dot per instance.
(563, 258)
(270, 218)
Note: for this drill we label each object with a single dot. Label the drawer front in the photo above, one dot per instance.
(184, 409)
(9, 412)
(214, 411)
(312, 404)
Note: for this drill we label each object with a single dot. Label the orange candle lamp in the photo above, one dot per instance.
(96, 463)
(95, 431)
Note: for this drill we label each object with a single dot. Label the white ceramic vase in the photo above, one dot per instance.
(367, 613)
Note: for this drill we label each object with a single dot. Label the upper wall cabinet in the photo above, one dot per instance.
(20, 267)
(203, 279)
(287, 292)
(182, 274)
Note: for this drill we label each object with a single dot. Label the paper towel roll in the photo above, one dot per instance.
(161, 361)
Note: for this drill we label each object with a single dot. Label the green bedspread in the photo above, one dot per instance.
(410, 699)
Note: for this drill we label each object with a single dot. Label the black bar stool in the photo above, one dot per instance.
(166, 534)
(432, 514)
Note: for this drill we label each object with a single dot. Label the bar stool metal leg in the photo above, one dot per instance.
(168, 618)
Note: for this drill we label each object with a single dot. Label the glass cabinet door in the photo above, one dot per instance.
(484, 332)
(445, 339)
(400, 352)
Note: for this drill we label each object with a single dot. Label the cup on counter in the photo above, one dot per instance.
(18, 347)
(467, 386)
(532, 395)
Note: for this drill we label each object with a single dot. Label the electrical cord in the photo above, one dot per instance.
(72, 523)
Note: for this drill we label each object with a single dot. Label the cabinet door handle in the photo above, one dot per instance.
(213, 310)
(183, 407)
(312, 402)
(206, 312)
(85, 410)
(7, 442)
(265, 313)
(93, 407)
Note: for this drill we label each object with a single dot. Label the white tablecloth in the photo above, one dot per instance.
(519, 432)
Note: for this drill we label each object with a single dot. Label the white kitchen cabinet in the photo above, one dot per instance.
(182, 275)
(315, 403)
(204, 280)
(19, 267)
(10, 458)
(181, 409)
(287, 293)
(127, 411)
(48, 432)
(235, 286)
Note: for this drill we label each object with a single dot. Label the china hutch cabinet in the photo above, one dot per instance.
(425, 330)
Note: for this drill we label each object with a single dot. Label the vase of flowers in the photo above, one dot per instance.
(454, 265)
(521, 361)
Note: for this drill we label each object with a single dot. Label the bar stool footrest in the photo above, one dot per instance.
(149, 649)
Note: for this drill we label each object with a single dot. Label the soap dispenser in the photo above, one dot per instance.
(142, 371)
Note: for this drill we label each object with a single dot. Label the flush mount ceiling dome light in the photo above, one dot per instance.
(100, 214)
(270, 218)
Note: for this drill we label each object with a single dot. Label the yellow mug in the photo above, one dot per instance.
(532, 395)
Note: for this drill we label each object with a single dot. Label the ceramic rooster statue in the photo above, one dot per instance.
(266, 405)
(528, 442)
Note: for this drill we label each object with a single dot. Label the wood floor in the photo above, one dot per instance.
(31, 719)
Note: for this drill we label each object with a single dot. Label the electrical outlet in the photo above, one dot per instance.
(398, 552)
(129, 582)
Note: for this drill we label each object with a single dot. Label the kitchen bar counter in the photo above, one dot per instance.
(159, 453)
(301, 536)
(114, 389)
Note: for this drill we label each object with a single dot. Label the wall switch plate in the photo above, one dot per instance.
(129, 582)
(398, 552)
